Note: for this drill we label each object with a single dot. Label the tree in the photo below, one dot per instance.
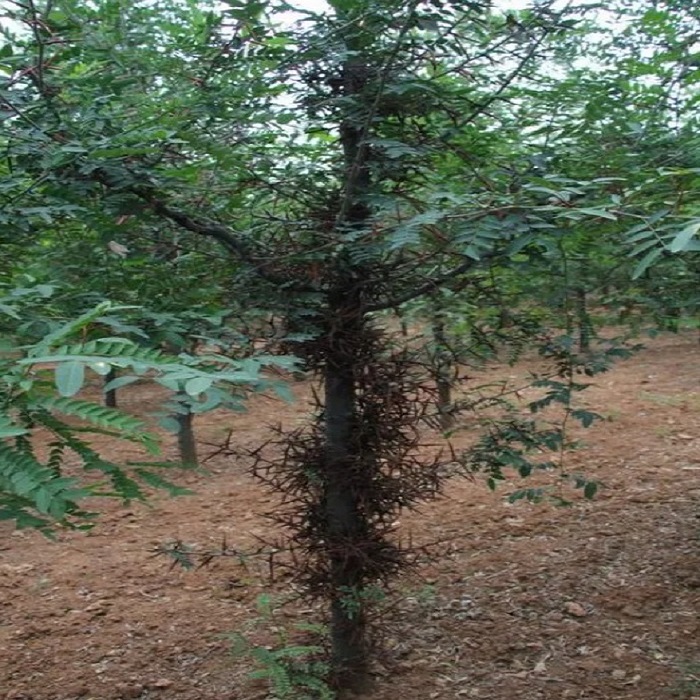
(325, 159)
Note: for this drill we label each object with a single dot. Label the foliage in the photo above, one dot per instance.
(516, 443)
(34, 490)
(40, 382)
(294, 671)
(689, 683)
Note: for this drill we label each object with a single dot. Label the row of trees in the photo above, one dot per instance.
(225, 175)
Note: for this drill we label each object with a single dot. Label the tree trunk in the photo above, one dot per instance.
(444, 372)
(186, 443)
(403, 324)
(110, 396)
(671, 319)
(344, 520)
(344, 481)
(585, 326)
(505, 318)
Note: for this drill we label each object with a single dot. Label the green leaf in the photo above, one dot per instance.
(43, 499)
(394, 149)
(683, 238)
(197, 385)
(471, 251)
(73, 326)
(69, 377)
(109, 419)
(169, 423)
(639, 249)
(646, 261)
(101, 368)
(169, 382)
(9, 429)
(590, 489)
(587, 418)
(601, 213)
(284, 392)
(120, 382)
(408, 233)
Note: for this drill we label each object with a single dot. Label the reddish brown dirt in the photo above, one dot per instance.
(524, 602)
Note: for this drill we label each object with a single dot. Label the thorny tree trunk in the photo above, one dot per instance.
(343, 516)
(505, 318)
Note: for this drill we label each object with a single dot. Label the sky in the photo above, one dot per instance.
(320, 5)
(504, 5)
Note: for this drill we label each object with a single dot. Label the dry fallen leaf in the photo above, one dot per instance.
(540, 667)
(631, 611)
(575, 609)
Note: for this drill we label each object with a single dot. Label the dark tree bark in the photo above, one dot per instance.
(186, 442)
(111, 394)
(444, 373)
(505, 318)
(345, 477)
(343, 516)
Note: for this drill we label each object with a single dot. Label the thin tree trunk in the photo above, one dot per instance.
(585, 325)
(110, 396)
(403, 324)
(186, 442)
(505, 318)
(444, 372)
(345, 519)
(672, 318)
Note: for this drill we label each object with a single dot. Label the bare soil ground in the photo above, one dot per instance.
(598, 600)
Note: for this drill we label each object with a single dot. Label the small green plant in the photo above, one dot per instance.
(294, 671)
(427, 595)
(353, 600)
(688, 686)
(520, 444)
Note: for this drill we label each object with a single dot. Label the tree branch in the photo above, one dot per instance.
(483, 106)
(233, 242)
(430, 286)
